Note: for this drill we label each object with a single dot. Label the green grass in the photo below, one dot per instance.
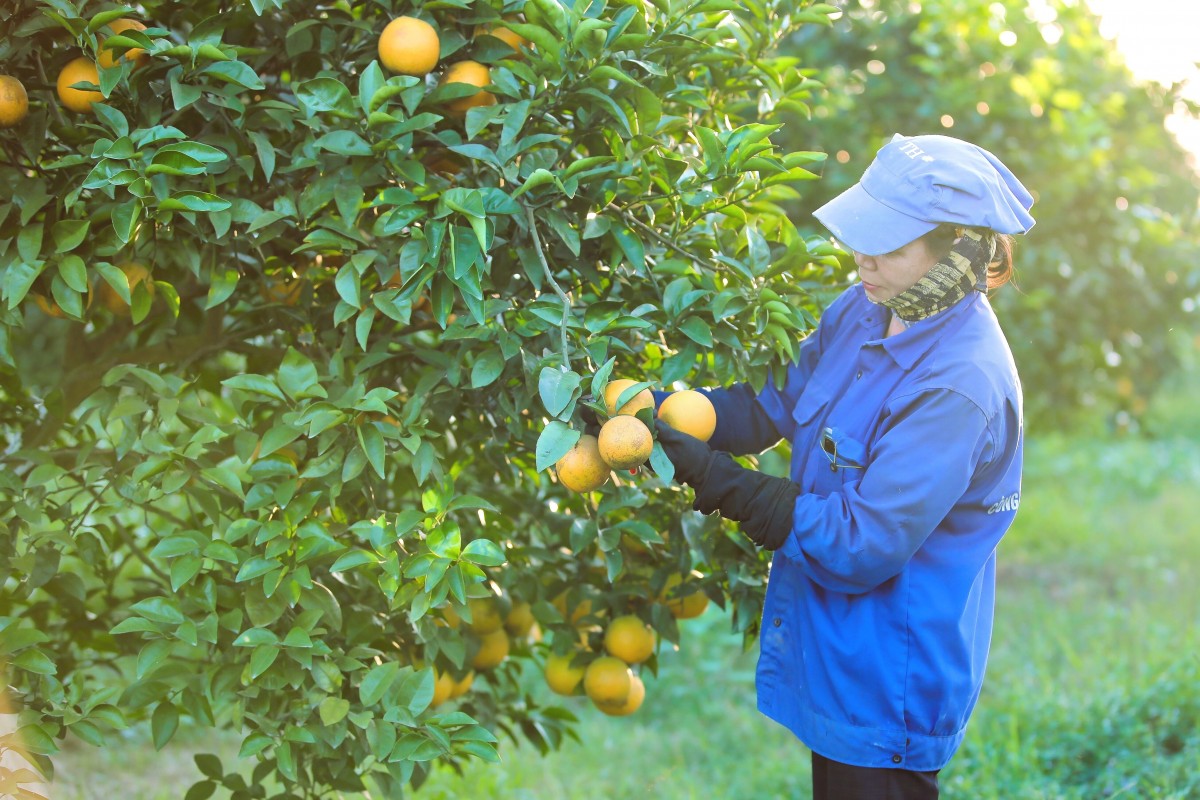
(1093, 687)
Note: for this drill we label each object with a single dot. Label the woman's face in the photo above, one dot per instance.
(883, 277)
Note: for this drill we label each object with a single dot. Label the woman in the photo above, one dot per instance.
(904, 413)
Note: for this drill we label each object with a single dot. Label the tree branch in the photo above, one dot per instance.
(566, 301)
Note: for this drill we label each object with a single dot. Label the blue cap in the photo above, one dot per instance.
(915, 184)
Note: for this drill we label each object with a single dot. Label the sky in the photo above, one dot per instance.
(1160, 40)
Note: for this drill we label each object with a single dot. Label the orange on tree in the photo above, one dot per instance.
(625, 442)
(629, 639)
(134, 274)
(493, 648)
(612, 393)
(79, 70)
(581, 609)
(498, 31)
(562, 676)
(485, 615)
(608, 681)
(409, 46)
(519, 621)
(14, 102)
(637, 694)
(108, 58)
(474, 74)
(462, 684)
(443, 687)
(281, 289)
(582, 469)
(683, 606)
(691, 412)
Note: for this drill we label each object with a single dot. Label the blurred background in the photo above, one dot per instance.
(1094, 684)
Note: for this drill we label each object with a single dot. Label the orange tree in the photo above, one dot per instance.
(290, 342)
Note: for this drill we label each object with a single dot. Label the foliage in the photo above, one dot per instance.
(1108, 270)
(243, 493)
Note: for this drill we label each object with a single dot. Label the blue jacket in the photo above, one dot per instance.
(907, 449)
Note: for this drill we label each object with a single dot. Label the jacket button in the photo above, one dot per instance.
(777, 622)
(858, 376)
(896, 759)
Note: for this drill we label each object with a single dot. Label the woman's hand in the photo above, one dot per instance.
(763, 504)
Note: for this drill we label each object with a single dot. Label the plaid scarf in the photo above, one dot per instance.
(964, 268)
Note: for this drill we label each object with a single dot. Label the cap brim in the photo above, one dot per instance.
(867, 226)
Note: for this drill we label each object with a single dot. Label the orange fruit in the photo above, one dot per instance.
(475, 74)
(493, 648)
(281, 289)
(608, 681)
(562, 676)
(461, 686)
(637, 693)
(502, 33)
(443, 686)
(581, 609)
(14, 103)
(409, 46)
(519, 621)
(134, 274)
(582, 469)
(108, 58)
(691, 412)
(629, 639)
(684, 606)
(485, 615)
(79, 70)
(625, 442)
(612, 393)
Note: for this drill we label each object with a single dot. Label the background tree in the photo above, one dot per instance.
(1109, 270)
(288, 343)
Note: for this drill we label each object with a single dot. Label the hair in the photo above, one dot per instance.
(941, 240)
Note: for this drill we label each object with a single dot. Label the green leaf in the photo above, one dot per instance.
(324, 94)
(344, 143)
(69, 234)
(373, 447)
(415, 692)
(662, 465)
(487, 368)
(125, 218)
(235, 72)
(333, 710)
(554, 442)
(254, 637)
(262, 658)
(222, 282)
(377, 682)
(297, 374)
(35, 661)
(252, 382)
(163, 724)
(74, 273)
(698, 331)
(557, 387)
(194, 201)
(484, 552)
(348, 286)
(354, 558)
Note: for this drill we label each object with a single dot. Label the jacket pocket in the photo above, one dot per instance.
(842, 460)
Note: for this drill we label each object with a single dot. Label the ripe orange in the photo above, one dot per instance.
(581, 609)
(461, 686)
(443, 686)
(625, 442)
(79, 70)
(14, 103)
(519, 621)
(493, 648)
(281, 289)
(475, 74)
(684, 606)
(485, 615)
(629, 639)
(691, 412)
(108, 58)
(612, 393)
(582, 469)
(409, 46)
(134, 274)
(637, 693)
(608, 681)
(502, 33)
(561, 676)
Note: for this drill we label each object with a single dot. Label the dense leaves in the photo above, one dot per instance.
(281, 334)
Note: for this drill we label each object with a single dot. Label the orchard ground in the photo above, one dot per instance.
(1093, 688)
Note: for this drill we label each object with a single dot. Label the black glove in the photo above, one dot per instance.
(763, 504)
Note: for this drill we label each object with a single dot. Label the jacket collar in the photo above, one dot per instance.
(910, 346)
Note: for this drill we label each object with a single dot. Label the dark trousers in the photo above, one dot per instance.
(833, 780)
